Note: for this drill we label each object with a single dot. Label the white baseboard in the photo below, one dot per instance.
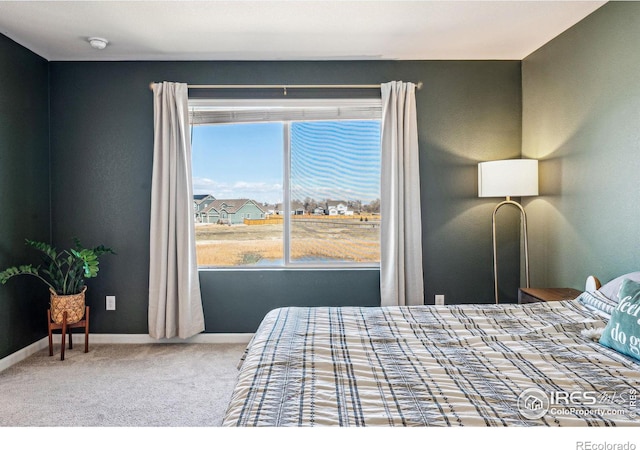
(24, 353)
(202, 338)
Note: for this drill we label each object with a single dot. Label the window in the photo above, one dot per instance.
(287, 186)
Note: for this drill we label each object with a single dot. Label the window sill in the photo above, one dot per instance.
(289, 268)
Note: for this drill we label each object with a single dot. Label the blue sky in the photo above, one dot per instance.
(238, 161)
(330, 160)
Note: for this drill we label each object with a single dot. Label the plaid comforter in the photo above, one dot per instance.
(433, 366)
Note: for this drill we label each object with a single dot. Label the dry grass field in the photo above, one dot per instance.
(313, 238)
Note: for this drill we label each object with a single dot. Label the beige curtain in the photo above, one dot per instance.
(401, 278)
(175, 305)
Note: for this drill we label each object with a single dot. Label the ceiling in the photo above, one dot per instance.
(289, 30)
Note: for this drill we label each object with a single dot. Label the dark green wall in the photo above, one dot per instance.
(231, 304)
(102, 141)
(578, 100)
(581, 118)
(24, 190)
(101, 157)
(468, 112)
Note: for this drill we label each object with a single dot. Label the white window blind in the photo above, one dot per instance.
(213, 111)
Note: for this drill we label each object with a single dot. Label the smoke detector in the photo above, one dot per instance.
(98, 43)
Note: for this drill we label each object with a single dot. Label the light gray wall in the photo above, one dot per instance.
(581, 118)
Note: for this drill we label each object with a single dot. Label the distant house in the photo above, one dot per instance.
(297, 208)
(271, 209)
(338, 208)
(229, 211)
(201, 201)
(329, 208)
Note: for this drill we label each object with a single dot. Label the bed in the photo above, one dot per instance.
(455, 365)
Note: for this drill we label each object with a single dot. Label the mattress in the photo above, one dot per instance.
(454, 365)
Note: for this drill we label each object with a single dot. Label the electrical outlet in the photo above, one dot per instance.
(111, 302)
(439, 299)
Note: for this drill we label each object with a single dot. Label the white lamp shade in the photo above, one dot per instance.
(508, 178)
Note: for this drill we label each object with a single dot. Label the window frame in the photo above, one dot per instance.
(246, 104)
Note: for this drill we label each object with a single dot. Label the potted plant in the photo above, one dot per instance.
(64, 273)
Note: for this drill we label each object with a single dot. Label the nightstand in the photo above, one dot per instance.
(532, 295)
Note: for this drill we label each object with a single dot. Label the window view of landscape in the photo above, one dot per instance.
(334, 185)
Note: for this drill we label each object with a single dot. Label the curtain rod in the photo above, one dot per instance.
(285, 86)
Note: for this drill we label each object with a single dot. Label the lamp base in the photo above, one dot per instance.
(523, 220)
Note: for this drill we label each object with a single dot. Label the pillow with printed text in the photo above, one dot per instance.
(622, 333)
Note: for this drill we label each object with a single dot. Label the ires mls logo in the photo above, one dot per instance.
(561, 398)
(533, 403)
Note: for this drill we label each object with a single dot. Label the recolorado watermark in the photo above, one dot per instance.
(589, 445)
(534, 403)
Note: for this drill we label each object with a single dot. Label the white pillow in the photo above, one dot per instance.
(611, 289)
(597, 302)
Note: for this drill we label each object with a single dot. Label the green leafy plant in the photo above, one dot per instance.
(65, 271)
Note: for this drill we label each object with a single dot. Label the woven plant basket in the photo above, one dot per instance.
(72, 304)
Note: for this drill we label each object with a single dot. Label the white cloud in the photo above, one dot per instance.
(333, 193)
(259, 191)
(263, 192)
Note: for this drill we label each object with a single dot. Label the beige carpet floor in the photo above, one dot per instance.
(121, 385)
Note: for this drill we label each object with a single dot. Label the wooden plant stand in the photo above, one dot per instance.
(84, 323)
